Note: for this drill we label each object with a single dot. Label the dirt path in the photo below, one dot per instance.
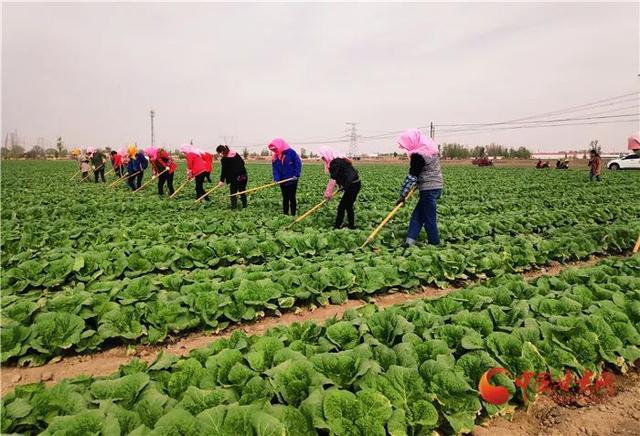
(617, 415)
(108, 361)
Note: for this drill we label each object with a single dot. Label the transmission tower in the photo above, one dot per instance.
(153, 136)
(353, 137)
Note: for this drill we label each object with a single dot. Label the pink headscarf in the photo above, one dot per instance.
(152, 152)
(90, 151)
(328, 154)
(633, 143)
(413, 141)
(278, 146)
(188, 148)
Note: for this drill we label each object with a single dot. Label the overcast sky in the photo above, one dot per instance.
(91, 72)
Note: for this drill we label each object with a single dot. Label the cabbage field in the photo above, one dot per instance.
(86, 267)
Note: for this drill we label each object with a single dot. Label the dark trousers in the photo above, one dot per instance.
(207, 176)
(425, 215)
(346, 204)
(139, 178)
(85, 176)
(131, 181)
(199, 186)
(289, 198)
(237, 186)
(593, 175)
(119, 172)
(99, 173)
(167, 178)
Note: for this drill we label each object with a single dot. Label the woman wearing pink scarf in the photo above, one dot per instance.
(197, 168)
(425, 172)
(286, 164)
(342, 173)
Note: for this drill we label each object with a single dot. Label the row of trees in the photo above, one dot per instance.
(447, 151)
(459, 151)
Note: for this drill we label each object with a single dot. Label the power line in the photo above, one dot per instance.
(624, 98)
(480, 131)
(549, 121)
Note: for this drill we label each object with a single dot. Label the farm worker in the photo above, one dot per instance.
(424, 170)
(196, 167)
(286, 164)
(97, 163)
(539, 164)
(342, 173)
(208, 159)
(133, 167)
(594, 165)
(233, 173)
(164, 161)
(84, 167)
(143, 163)
(117, 164)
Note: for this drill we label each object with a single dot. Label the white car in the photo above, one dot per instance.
(629, 162)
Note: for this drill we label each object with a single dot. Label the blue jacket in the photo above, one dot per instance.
(139, 163)
(133, 166)
(290, 166)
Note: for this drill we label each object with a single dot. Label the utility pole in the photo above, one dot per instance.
(353, 137)
(153, 137)
(432, 131)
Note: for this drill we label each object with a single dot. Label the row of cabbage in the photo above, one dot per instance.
(406, 370)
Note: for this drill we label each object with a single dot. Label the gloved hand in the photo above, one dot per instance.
(294, 178)
(401, 200)
(220, 184)
(328, 197)
(93, 167)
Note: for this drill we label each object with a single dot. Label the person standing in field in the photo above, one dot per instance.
(286, 164)
(595, 164)
(342, 173)
(164, 161)
(196, 168)
(117, 164)
(208, 160)
(133, 167)
(233, 173)
(143, 163)
(425, 172)
(97, 164)
(84, 167)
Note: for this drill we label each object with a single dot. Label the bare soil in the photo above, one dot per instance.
(108, 361)
(615, 415)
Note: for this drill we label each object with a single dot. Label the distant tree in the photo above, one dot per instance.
(593, 145)
(51, 153)
(5, 152)
(478, 151)
(245, 152)
(454, 151)
(17, 151)
(495, 150)
(395, 154)
(36, 152)
(303, 153)
(264, 152)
